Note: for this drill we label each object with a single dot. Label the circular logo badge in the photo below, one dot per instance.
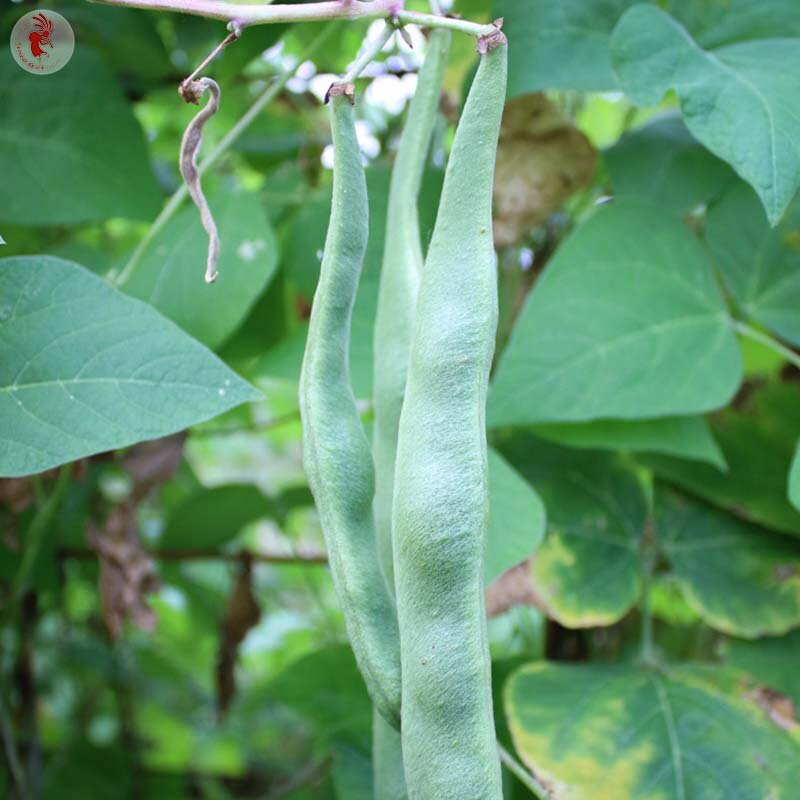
(42, 42)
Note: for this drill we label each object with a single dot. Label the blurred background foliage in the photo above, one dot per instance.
(179, 636)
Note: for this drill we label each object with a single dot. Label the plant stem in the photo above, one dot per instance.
(646, 633)
(522, 774)
(371, 50)
(35, 535)
(209, 554)
(174, 202)
(246, 14)
(10, 747)
(768, 341)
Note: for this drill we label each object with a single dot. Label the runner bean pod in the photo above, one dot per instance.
(441, 504)
(336, 452)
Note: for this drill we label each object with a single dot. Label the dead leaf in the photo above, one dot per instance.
(778, 707)
(542, 159)
(513, 588)
(241, 614)
(154, 462)
(127, 573)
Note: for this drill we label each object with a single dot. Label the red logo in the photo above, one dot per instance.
(41, 35)
(42, 42)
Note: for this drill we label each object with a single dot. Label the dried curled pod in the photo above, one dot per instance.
(191, 91)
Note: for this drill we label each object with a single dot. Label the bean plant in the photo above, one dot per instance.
(445, 445)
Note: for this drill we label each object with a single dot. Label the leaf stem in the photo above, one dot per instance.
(768, 341)
(259, 14)
(10, 747)
(371, 49)
(180, 194)
(522, 774)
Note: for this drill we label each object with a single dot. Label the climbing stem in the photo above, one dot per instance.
(522, 774)
(260, 103)
(36, 533)
(371, 49)
(768, 341)
(259, 14)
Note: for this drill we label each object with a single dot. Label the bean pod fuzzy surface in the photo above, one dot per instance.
(440, 510)
(397, 300)
(336, 453)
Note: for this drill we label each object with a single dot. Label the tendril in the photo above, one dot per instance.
(190, 146)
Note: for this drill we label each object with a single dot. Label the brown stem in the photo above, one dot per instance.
(209, 554)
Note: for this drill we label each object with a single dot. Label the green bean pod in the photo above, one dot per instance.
(399, 285)
(336, 452)
(440, 510)
(397, 301)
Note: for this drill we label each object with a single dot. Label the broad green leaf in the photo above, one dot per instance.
(70, 147)
(738, 99)
(743, 580)
(626, 321)
(326, 688)
(760, 264)
(771, 661)
(599, 732)
(284, 360)
(661, 161)
(128, 38)
(715, 24)
(86, 369)
(758, 441)
(212, 517)
(684, 437)
(516, 519)
(559, 45)
(587, 570)
(170, 273)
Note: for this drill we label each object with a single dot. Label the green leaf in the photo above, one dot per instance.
(587, 571)
(600, 732)
(561, 45)
(326, 688)
(608, 326)
(516, 519)
(760, 264)
(715, 24)
(87, 369)
(127, 37)
(170, 273)
(739, 100)
(684, 437)
(743, 580)
(758, 441)
(661, 161)
(352, 773)
(771, 661)
(210, 518)
(70, 147)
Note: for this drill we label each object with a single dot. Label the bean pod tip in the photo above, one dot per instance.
(341, 90)
(492, 40)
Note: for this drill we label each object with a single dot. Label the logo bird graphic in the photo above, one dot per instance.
(41, 35)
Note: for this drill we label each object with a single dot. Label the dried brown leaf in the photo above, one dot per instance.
(542, 159)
